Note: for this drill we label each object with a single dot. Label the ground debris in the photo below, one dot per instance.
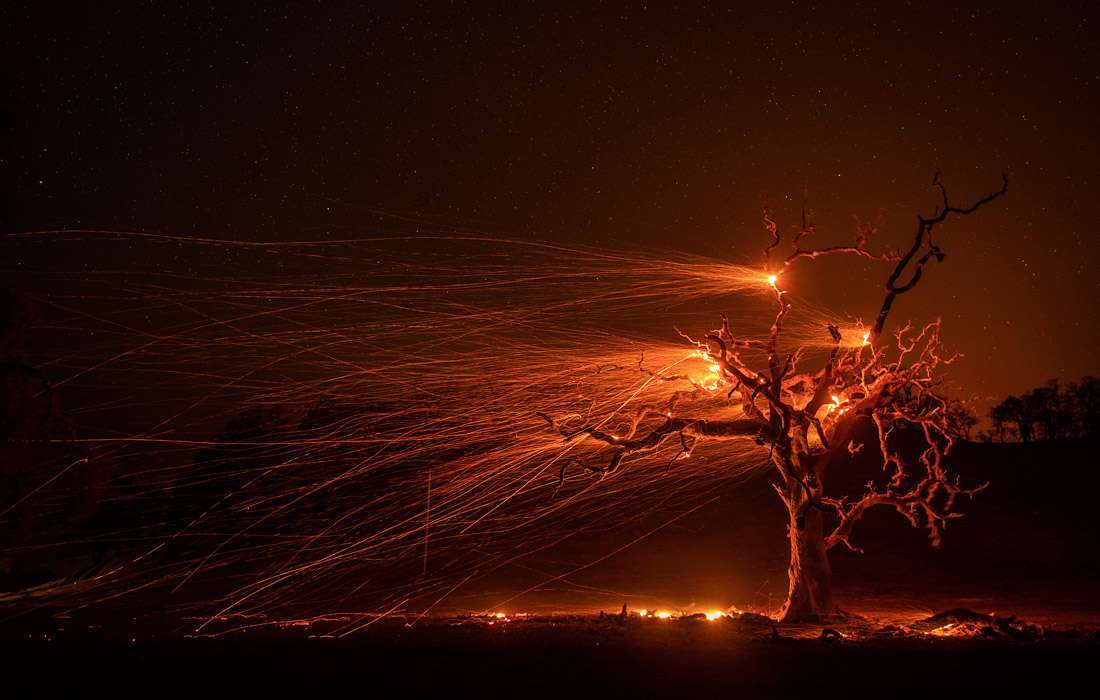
(830, 636)
(963, 622)
(753, 619)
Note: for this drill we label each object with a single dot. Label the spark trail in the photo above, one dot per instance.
(269, 413)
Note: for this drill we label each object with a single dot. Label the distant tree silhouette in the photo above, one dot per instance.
(1050, 412)
(1012, 419)
(960, 420)
(1084, 398)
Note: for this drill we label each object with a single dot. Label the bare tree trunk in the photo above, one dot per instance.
(809, 595)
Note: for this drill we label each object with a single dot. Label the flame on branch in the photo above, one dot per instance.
(814, 419)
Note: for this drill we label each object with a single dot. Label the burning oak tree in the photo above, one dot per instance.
(811, 422)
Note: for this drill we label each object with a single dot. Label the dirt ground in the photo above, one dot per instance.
(562, 656)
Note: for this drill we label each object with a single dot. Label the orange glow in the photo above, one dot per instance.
(663, 614)
(867, 338)
(773, 279)
(714, 615)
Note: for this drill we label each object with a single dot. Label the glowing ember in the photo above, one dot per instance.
(715, 614)
(773, 279)
(663, 615)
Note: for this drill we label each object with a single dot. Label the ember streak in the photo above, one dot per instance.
(365, 426)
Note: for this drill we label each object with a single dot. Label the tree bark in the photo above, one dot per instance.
(809, 594)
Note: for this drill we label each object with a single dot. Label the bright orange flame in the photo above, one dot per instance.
(772, 279)
(663, 614)
(715, 614)
(867, 338)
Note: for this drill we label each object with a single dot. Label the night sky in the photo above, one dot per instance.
(618, 127)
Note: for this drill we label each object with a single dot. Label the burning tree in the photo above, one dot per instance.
(811, 422)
